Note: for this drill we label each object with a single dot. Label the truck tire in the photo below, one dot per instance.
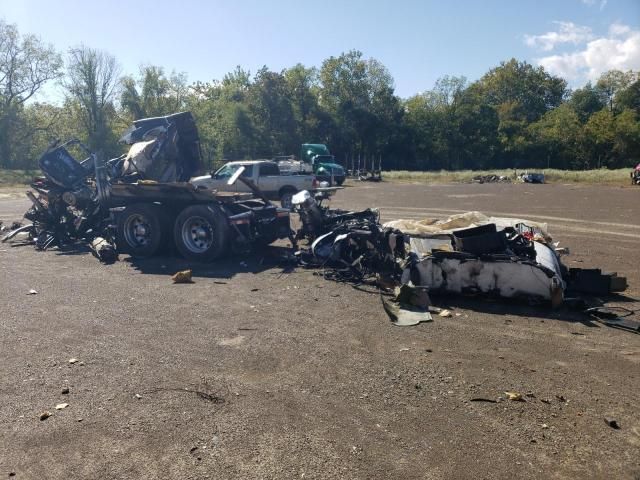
(141, 230)
(286, 195)
(201, 233)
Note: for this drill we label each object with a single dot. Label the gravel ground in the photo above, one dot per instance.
(251, 372)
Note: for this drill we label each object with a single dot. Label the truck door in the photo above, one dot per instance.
(248, 173)
(268, 179)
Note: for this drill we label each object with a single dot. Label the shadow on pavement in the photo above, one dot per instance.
(268, 258)
(513, 307)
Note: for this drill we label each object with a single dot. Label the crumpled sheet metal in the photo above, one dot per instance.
(139, 157)
(541, 279)
(403, 315)
(430, 226)
(409, 307)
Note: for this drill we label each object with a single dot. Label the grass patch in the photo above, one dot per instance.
(600, 176)
(17, 177)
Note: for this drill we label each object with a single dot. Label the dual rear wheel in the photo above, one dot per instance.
(200, 232)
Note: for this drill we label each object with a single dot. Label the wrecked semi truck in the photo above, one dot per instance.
(142, 200)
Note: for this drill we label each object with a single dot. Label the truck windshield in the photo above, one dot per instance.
(228, 170)
(324, 158)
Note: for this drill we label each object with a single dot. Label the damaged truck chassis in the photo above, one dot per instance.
(142, 202)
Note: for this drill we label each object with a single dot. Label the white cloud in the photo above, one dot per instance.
(568, 32)
(619, 30)
(603, 3)
(620, 50)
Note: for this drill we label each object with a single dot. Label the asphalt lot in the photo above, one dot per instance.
(253, 372)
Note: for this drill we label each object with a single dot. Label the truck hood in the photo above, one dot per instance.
(333, 166)
(200, 180)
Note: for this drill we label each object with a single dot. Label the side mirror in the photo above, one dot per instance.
(235, 176)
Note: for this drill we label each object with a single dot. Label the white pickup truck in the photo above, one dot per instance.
(265, 174)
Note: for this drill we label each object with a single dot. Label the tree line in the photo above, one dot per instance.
(515, 116)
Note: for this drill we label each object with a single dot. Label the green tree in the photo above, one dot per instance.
(359, 96)
(629, 98)
(586, 101)
(225, 123)
(477, 124)
(627, 138)
(613, 82)
(91, 84)
(312, 124)
(601, 134)
(270, 105)
(424, 124)
(521, 94)
(26, 65)
(559, 137)
(154, 93)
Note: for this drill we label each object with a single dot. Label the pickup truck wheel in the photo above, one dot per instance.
(201, 233)
(285, 199)
(140, 230)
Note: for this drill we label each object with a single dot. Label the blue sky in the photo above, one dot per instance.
(418, 41)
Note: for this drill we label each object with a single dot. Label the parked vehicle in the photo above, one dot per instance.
(323, 163)
(265, 174)
(314, 158)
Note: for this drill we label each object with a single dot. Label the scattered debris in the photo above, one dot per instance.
(103, 250)
(593, 282)
(61, 406)
(409, 306)
(182, 277)
(612, 423)
(614, 317)
(45, 415)
(209, 397)
(532, 177)
(468, 253)
(515, 396)
(490, 179)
